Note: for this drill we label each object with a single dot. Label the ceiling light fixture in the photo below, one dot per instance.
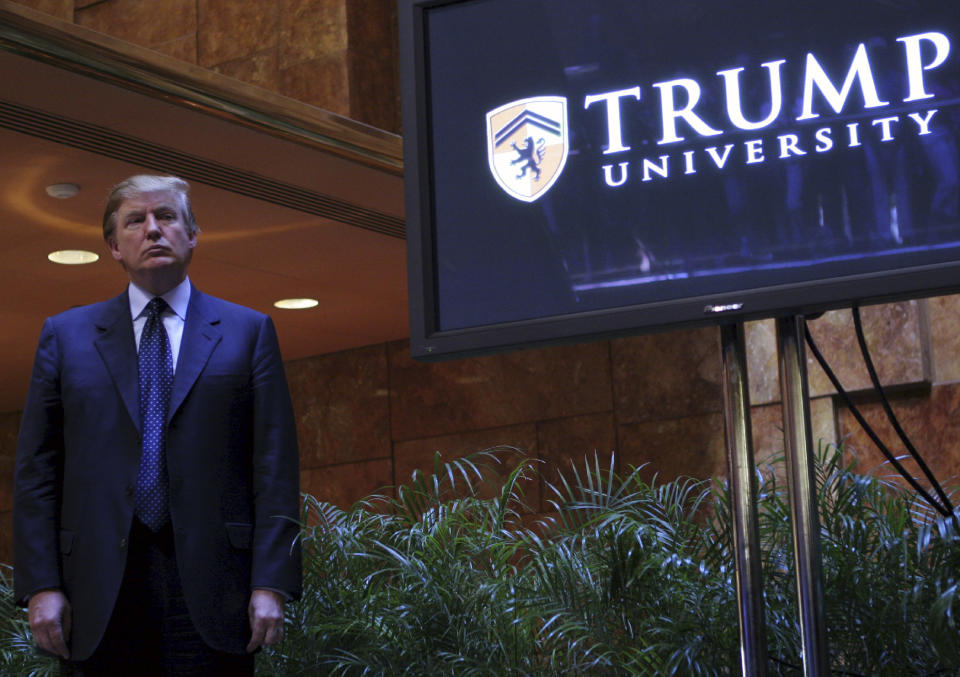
(296, 304)
(62, 191)
(73, 257)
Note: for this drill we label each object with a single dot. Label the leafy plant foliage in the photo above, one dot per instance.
(624, 576)
(17, 653)
(452, 575)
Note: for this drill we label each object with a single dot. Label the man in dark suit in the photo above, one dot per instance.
(156, 490)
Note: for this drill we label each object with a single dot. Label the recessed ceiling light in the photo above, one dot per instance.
(73, 257)
(296, 304)
(62, 191)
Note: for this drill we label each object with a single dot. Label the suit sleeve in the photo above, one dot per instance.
(38, 475)
(276, 473)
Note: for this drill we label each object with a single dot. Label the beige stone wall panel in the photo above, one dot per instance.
(344, 485)
(943, 313)
(419, 455)
(9, 427)
(431, 399)
(311, 29)
(575, 440)
(184, 48)
(767, 427)
(6, 537)
(62, 9)
(896, 338)
(322, 82)
(258, 69)
(374, 67)
(234, 29)
(342, 406)
(667, 376)
(686, 447)
(762, 367)
(931, 420)
(139, 21)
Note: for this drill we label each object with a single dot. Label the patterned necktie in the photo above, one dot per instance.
(156, 379)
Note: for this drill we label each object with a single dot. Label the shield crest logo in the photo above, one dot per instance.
(527, 145)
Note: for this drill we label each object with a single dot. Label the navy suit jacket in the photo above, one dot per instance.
(231, 456)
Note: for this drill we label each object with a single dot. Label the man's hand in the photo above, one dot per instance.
(49, 614)
(266, 618)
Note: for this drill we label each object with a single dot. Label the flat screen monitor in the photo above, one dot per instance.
(582, 168)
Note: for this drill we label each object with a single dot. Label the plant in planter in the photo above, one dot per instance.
(452, 575)
(624, 577)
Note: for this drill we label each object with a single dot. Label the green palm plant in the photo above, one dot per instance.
(17, 654)
(423, 583)
(889, 563)
(624, 577)
(625, 580)
(890, 567)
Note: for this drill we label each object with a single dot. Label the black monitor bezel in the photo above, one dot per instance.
(427, 342)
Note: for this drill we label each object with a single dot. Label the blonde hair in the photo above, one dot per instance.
(146, 183)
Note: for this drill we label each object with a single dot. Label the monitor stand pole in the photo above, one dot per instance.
(795, 400)
(743, 499)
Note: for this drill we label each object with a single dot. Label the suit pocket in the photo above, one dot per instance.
(240, 535)
(66, 542)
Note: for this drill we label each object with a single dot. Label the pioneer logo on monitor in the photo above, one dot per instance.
(527, 145)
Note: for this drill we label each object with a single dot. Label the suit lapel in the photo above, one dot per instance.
(200, 336)
(118, 350)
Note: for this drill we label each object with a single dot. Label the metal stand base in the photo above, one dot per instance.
(798, 445)
(743, 498)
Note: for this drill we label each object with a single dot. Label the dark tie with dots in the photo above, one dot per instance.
(156, 378)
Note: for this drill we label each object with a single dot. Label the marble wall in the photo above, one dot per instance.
(367, 418)
(651, 401)
(339, 55)
(9, 424)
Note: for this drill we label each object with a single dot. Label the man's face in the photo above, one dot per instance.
(151, 240)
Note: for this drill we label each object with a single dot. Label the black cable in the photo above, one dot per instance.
(868, 361)
(867, 429)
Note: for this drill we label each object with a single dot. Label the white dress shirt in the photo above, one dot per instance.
(177, 299)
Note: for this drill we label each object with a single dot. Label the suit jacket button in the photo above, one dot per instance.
(129, 490)
(123, 543)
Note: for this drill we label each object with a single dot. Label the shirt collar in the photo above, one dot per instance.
(177, 298)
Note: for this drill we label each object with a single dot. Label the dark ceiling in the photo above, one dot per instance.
(279, 218)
